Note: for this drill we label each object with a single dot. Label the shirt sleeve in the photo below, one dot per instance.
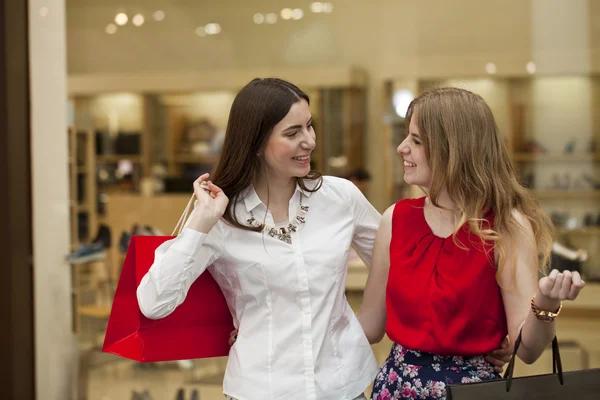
(177, 264)
(366, 222)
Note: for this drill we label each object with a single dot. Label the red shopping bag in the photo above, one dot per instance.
(198, 328)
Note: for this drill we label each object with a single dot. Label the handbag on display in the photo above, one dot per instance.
(198, 328)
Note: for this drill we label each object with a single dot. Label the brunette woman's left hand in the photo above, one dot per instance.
(499, 357)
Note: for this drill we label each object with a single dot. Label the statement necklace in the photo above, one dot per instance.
(283, 233)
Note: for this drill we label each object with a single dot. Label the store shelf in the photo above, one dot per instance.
(115, 158)
(94, 311)
(567, 194)
(557, 157)
(592, 230)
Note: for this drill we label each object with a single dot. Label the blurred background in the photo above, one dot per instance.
(128, 104)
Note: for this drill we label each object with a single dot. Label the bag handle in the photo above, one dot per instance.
(556, 362)
(183, 218)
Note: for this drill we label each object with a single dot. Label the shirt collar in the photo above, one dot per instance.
(251, 199)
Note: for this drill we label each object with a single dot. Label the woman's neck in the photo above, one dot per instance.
(445, 204)
(275, 192)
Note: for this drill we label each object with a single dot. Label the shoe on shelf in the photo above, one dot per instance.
(145, 395)
(103, 236)
(533, 146)
(591, 181)
(124, 242)
(570, 146)
(589, 220)
(180, 394)
(153, 231)
(87, 253)
(141, 231)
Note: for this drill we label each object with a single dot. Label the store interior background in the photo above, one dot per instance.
(537, 62)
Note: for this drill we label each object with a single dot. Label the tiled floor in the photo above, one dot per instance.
(111, 378)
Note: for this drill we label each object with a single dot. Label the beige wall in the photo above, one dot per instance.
(54, 342)
(113, 112)
(389, 39)
(212, 105)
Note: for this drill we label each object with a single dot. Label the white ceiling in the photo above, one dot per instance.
(173, 42)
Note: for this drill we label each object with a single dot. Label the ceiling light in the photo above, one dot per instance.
(530, 67)
(316, 7)
(401, 100)
(138, 20)
(327, 7)
(286, 13)
(121, 19)
(490, 68)
(200, 31)
(111, 29)
(258, 18)
(212, 29)
(297, 14)
(271, 18)
(159, 15)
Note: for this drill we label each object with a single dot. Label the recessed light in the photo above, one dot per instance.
(111, 28)
(138, 20)
(121, 19)
(159, 15)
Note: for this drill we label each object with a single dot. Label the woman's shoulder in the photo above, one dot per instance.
(335, 182)
(334, 186)
(408, 205)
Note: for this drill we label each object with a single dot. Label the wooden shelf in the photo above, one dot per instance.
(94, 311)
(556, 157)
(115, 158)
(591, 230)
(567, 194)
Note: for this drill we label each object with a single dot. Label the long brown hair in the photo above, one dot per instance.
(256, 109)
(470, 161)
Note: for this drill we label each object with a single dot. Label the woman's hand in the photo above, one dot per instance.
(556, 287)
(499, 357)
(233, 337)
(212, 203)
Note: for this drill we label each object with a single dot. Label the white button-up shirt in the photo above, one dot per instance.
(298, 337)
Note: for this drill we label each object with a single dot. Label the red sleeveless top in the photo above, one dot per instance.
(441, 299)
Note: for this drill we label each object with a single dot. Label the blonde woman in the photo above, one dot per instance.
(456, 270)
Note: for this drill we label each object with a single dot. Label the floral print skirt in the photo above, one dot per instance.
(411, 374)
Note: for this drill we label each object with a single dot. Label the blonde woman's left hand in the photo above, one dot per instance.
(558, 286)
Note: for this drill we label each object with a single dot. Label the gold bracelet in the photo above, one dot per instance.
(542, 315)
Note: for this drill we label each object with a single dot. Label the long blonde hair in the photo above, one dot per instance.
(469, 160)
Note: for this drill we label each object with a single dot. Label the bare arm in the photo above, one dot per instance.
(549, 292)
(372, 312)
